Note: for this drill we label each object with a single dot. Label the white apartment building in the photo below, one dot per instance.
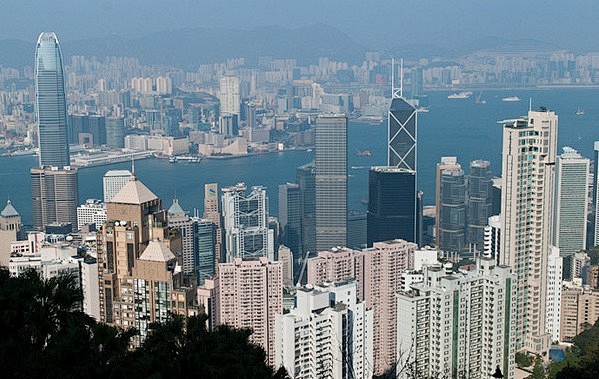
(113, 181)
(457, 324)
(92, 212)
(529, 153)
(327, 335)
(554, 292)
(230, 99)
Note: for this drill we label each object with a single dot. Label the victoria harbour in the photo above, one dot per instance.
(452, 127)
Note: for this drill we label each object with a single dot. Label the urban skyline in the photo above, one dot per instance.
(492, 275)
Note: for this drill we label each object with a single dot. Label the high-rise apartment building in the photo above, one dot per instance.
(91, 212)
(212, 213)
(529, 149)
(331, 181)
(457, 324)
(249, 294)
(392, 211)
(230, 100)
(492, 239)
(113, 181)
(554, 292)
(570, 202)
(328, 334)
(579, 310)
(595, 239)
(245, 221)
(54, 194)
(479, 203)
(378, 273)
(452, 212)
(139, 263)
(50, 103)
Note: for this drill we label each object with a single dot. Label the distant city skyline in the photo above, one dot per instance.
(448, 25)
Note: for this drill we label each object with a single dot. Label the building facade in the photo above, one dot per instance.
(54, 195)
(479, 203)
(331, 181)
(113, 181)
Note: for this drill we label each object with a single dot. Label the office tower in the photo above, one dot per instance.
(285, 256)
(54, 195)
(492, 238)
(332, 331)
(357, 229)
(452, 212)
(305, 177)
(115, 132)
(91, 212)
(212, 213)
(331, 181)
(403, 129)
(479, 204)
(417, 87)
(595, 239)
(457, 324)
(10, 231)
(392, 211)
(249, 295)
(290, 217)
(139, 263)
(554, 292)
(198, 239)
(570, 202)
(446, 163)
(230, 100)
(529, 149)
(245, 221)
(579, 309)
(228, 125)
(50, 103)
(113, 182)
(378, 272)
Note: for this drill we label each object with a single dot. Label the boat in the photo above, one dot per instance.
(580, 111)
(363, 153)
(479, 99)
(460, 95)
(511, 99)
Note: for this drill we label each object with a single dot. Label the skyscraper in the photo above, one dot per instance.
(452, 212)
(50, 103)
(10, 230)
(331, 181)
(212, 212)
(570, 203)
(54, 194)
(305, 177)
(113, 181)
(290, 217)
(446, 163)
(529, 149)
(230, 99)
(54, 184)
(595, 239)
(403, 129)
(391, 204)
(245, 220)
(479, 203)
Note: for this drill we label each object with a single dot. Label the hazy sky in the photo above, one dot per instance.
(570, 24)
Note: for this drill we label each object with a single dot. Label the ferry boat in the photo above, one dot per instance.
(460, 95)
(511, 99)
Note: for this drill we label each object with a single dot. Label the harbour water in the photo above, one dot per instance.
(454, 127)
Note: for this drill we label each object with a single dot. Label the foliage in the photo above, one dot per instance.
(524, 360)
(46, 335)
(582, 359)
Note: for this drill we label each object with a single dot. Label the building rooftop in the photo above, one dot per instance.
(117, 173)
(9, 210)
(134, 192)
(176, 209)
(157, 251)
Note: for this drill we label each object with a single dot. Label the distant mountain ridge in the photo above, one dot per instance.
(187, 48)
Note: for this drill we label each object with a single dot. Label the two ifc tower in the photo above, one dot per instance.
(394, 203)
(54, 187)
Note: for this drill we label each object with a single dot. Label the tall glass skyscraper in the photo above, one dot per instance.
(331, 182)
(479, 203)
(50, 102)
(403, 128)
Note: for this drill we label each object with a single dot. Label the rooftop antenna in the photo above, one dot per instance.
(401, 78)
